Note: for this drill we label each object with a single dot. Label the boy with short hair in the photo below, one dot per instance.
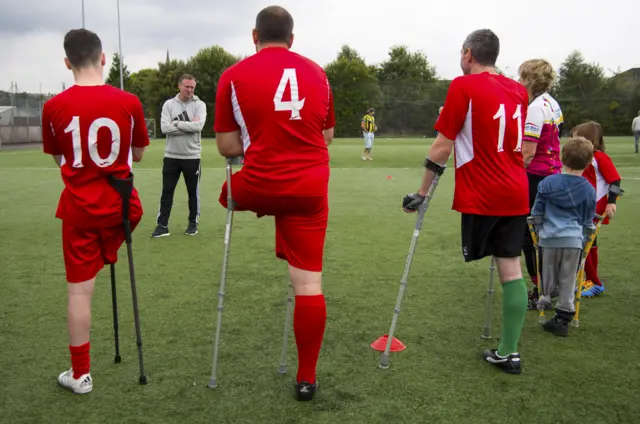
(566, 204)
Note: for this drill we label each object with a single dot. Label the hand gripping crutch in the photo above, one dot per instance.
(532, 222)
(125, 187)
(585, 252)
(213, 381)
(487, 322)
(282, 368)
(438, 171)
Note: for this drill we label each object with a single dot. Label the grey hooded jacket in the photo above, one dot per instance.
(182, 123)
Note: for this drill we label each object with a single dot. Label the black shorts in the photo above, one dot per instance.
(499, 236)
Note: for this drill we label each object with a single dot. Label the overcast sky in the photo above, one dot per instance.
(31, 31)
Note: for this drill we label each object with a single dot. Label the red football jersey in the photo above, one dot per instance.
(94, 129)
(280, 102)
(601, 173)
(484, 114)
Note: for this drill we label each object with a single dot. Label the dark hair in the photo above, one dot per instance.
(82, 47)
(371, 110)
(484, 45)
(577, 153)
(274, 24)
(186, 77)
(593, 132)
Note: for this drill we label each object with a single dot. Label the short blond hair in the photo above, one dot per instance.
(577, 153)
(537, 75)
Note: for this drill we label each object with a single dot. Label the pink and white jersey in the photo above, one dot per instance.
(541, 127)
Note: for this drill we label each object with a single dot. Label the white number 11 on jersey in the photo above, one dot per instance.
(295, 105)
(501, 114)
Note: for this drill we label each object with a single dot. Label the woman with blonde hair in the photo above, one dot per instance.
(540, 144)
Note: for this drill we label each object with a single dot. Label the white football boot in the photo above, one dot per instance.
(80, 386)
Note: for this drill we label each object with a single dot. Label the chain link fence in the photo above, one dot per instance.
(20, 118)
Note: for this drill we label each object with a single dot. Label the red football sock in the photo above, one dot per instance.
(591, 266)
(534, 280)
(80, 359)
(309, 318)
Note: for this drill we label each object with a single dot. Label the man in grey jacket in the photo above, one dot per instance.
(183, 118)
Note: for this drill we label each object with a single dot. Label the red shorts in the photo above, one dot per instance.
(87, 251)
(301, 222)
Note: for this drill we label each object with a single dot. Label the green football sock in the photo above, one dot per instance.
(514, 311)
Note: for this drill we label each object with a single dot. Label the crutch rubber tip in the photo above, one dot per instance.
(484, 336)
(213, 383)
(282, 369)
(117, 359)
(575, 323)
(383, 366)
(143, 379)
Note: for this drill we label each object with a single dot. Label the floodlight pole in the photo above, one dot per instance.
(82, 14)
(120, 47)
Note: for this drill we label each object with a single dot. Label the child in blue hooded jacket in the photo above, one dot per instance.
(567, 204)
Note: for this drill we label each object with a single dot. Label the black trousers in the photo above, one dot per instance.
(527, 248)
(171, 170)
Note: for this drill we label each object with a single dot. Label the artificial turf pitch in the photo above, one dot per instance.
(590, 377)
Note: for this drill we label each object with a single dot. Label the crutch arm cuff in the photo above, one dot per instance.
(614, 192)
(434, 166)
(234, 160)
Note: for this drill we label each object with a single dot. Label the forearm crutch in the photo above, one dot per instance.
(125, 187)
(532, 221)
(438, 170)
(583, 260)
(114, 303)
(282, 368)
(487, 322)
(213, 381)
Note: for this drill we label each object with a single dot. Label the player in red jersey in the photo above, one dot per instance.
(604, 177)
(93, 131)
(276, 109)
(483, 118)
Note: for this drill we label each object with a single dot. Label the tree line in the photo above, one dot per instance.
(405, 90)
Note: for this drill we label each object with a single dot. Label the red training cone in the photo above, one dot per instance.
(381, 343)
(389, 177)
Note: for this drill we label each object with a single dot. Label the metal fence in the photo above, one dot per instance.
(20, 118)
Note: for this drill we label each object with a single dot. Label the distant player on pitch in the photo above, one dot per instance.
(369, 128)
(276, 109)
(483, 118)
(93, 131)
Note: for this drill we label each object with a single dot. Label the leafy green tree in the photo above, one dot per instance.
(355, 89)
(114, 73)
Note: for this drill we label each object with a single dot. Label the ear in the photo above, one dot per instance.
(254, 35)
(103, 60)
(67, 63)
(291, 40)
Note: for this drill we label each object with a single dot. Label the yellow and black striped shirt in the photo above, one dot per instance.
(369, 123)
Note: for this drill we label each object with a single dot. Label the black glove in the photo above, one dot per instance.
(411, 202)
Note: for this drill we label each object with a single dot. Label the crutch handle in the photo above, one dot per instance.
(124, 186)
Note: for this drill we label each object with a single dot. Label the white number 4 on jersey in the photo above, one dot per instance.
(295, 105)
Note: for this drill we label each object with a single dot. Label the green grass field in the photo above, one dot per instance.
(590, 377)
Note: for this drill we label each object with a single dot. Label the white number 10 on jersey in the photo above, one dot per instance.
(502, 115)
(295, 105)
(92, 141)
